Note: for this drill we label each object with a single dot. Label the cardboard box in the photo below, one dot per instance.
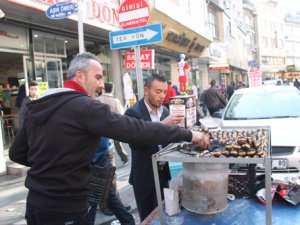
(186, 106)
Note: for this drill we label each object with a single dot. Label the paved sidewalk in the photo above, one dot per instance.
(12, 212)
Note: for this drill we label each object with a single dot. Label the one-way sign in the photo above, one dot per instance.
(136, 36)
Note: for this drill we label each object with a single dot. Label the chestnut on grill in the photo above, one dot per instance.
(251, 152)
(242, 152)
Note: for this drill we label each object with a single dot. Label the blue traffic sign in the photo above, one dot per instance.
(136, 36)
(61, 10)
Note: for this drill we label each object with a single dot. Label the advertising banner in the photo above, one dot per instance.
(254, 78)
(146, 56)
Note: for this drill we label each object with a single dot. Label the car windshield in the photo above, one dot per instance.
(265, 105)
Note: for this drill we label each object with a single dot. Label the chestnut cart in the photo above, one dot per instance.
(172, 153)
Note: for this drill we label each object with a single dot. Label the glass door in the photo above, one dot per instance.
(46, 70)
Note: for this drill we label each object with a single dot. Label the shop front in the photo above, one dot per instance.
(34, 47)
(177, 39)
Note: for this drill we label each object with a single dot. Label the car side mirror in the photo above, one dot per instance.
(217, 114)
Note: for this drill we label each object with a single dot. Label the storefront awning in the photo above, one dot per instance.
(177, 37)
(221, 66)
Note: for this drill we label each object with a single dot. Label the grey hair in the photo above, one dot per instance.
(80, 62)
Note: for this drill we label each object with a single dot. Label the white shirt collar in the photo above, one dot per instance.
(155, 116)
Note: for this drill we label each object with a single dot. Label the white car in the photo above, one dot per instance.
(274, 106)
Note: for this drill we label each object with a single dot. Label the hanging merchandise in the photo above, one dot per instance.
(129, 95)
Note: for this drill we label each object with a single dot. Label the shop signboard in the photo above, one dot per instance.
(134, 13)
(186, 106)
(136, 36)
(61, 10)
(218, 66)
(146, 56)
(254, 78)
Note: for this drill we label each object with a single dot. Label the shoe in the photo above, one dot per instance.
(107, 212)
(127, 207)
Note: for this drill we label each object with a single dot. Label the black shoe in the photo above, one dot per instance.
(107, 212)
(127, 207)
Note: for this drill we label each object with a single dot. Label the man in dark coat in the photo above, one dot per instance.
(59, 139)
(149, 108)
(214, 99)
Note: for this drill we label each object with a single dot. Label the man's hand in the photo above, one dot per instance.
(200, 139)
(173, 120)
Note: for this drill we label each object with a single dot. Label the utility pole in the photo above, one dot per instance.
(80, 27)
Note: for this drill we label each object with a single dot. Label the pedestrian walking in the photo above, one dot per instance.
(297, 84)
(230, 90)
(59, 138)
(108, 98)
(214, 99)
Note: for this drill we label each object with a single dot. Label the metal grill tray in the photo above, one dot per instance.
(172, 153)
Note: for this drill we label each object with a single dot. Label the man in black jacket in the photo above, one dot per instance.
(59, 138)
(214, 99)
(149, 108)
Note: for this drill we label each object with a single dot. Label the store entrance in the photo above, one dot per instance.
(48, 70)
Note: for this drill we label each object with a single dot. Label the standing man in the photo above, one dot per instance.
(33, 95)
(297, 84)
(115, 105)
(59, 138)
(149, 108)
(230, 90)
(214, 99)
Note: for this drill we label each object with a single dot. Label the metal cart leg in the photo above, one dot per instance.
(157, 188)
(268, 191)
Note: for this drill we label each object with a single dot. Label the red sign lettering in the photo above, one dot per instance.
(146, 56)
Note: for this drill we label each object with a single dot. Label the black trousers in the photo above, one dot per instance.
(36, 216)
(121, 151)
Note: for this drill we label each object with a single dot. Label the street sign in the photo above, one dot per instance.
(134, 13)
(136, 36)
(61, 10)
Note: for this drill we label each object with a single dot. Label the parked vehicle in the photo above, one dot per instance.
(272, 82)
(274, 106)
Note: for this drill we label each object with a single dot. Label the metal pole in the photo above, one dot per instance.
(139, 72)
(80, 27)
(157, 188)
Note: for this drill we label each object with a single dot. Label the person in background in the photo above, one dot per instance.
(104, 158)
(240, 85)
(297, 84)
(108, 98)
(149, 108)
(204, 106)
(60, 136)
(170, 93)
(176, 89)
(230, 90)
(33, 95)
(20, 97)
(214, 99)
(223, 90)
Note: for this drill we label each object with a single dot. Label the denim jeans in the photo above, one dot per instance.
(36, 216)
(113, 203)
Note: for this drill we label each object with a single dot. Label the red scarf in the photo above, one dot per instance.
(75, 86)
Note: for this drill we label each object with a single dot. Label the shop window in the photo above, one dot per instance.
(38, 44)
